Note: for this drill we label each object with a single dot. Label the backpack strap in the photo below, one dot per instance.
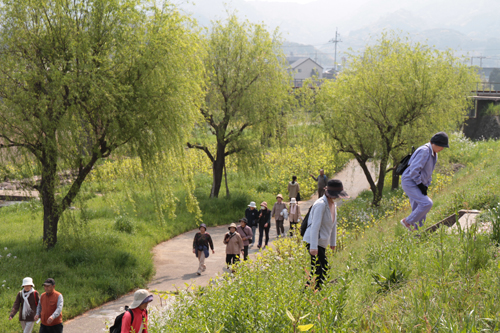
(131, 316)
(36, 298)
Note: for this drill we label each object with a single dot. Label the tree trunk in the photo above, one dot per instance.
(395, 180)
(225, 178)
(51, 211)
(218, 170)
(377, 197)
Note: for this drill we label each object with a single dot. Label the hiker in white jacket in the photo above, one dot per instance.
(322, 228)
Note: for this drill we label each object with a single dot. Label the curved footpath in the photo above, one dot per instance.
(176, 265)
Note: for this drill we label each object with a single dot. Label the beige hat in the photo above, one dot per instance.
(232, 225)
(27, 281)
(279, 196)
(293, 201)
(141, 296)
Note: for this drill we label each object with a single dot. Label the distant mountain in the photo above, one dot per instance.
(470, 26)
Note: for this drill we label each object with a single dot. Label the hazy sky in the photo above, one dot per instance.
(297, 1)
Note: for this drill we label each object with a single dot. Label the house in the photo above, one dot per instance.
(304, 68)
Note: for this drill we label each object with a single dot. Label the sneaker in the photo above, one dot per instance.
(198, 273)
(258, 246)
(406, 225)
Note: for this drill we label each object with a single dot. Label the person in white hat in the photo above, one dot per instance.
(295, 216)
(252, 216)
(26, 302)
(142, 298)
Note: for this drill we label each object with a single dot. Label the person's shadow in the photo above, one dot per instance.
(190, 276)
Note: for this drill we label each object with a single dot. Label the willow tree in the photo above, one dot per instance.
(391, 91)
(247, 87)
(78, 79)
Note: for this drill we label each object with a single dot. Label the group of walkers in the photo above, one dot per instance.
(321, 231)
(33, 307)
(46, 309)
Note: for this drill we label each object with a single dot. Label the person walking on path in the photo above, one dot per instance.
(234, 245)
(322, 229)
(49, 309)
(294, 189)
(277, 213)
(202, 241)
(26, 302)
(252, 216)
(264, 223)
(295, 216)
(322, 182)
(417, 178)
(246, 235)
(139, 306)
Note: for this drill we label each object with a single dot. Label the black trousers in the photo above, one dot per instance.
(280, 229)
(51, 329)
(261, 233)
(245, 252)
(293, 226)
(232, 258)
(319, 266)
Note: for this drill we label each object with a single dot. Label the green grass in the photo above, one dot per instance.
(385, 279)
(103, 248)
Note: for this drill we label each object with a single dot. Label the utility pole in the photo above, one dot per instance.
(481, 60)
(336, 41)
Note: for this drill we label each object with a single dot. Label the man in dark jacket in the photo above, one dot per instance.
(252, 216)
(264, 223)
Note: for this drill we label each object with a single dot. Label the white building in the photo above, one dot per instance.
(304, 68)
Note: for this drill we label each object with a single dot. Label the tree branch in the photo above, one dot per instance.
(204, 148)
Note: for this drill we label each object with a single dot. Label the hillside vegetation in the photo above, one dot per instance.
(382, 280)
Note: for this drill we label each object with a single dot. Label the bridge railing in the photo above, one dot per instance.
(488, 87)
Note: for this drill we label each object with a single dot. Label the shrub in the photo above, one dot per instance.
(124, 224)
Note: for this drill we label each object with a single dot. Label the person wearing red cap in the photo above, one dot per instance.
(139, 309)
(49, 309)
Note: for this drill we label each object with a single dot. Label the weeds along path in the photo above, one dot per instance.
(176, 265)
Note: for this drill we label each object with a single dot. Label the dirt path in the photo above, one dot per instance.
(176, 265)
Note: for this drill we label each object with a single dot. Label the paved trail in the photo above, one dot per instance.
(176, 265)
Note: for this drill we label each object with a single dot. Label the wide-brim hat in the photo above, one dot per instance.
(141, 296)
(263, 203)
(27, 281)
(203, 225)
(279, 196)
(232, 225)
(244, 220)
(293, 201)
(252, 204)
(335, 189)
(440, 139)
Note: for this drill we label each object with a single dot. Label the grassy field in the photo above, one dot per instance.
(104, 243)
(383, 279)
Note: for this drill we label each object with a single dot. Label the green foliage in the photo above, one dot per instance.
(246, 94)
(492, 109)
(437, 282)
(124, 224)
(80, 79)
(266, 295)
(395, 94)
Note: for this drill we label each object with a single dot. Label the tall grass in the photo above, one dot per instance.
(383, 280)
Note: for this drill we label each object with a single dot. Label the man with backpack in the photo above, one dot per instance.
(135, 320)
(417, 178)
(321, 229)
(322, 180)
